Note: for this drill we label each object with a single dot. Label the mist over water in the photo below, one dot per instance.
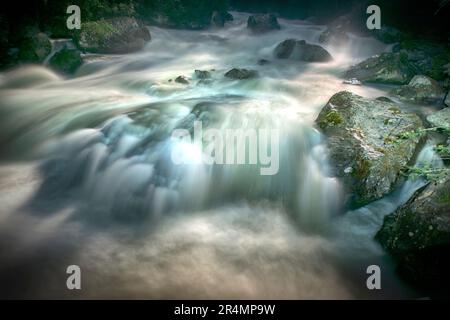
(89, 179)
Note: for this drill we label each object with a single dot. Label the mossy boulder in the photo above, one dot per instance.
(302, 51)
(389, 68)
(418, 236)
(364, 138)
(34, 48)
(116, 35)
(66, 60)
(440, 119)
(421, 89)
(241, 74)
(260, 23)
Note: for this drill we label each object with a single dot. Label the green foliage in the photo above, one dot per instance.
(427, 172)
(443, 151)
(331, 118)
(66, 60)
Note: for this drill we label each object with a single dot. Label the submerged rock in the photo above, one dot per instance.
(202, 74)
(263, 23)
(27, 77)
(418, 236)
(241, 74)
(182, 80)
(440, 119)
(421, 89)
(334, 36)
(117, 35)
(66, 60)
(389, 68)
(364, 141)
(302, 51)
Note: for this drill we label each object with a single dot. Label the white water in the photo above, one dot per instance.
(108, 198)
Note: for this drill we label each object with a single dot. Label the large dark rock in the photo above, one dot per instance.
(418, 236)
(117, 35)
(66, 60)
(364, 138)
(421, 89)
(389, 68)
(241, 74)
(302, 51)
(219, 18)
(263, 23)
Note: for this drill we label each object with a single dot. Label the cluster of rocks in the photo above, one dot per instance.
(370, 146)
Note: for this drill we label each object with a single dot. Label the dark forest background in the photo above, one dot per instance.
(427, 18)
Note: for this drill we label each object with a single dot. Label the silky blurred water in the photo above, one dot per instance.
(88, 178)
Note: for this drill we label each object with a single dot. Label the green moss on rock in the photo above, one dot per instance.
(66, 60)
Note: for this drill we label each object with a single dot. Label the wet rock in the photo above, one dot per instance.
(333, 36)
(260, 23)
(263, 62)
(66, 60)
(418, 236)
(241, 74)
(440, 119)
(302, 51)
(219, 18)
(202, 74)
(428, 58)
(365, 145)
(447, 99)
(420, 89)
(338, 29)
(182, 80)
(34, 47)
(389, 68)
(117, 35)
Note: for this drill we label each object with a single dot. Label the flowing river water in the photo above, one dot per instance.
(87, 177)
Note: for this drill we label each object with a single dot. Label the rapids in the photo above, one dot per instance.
(87, 177)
